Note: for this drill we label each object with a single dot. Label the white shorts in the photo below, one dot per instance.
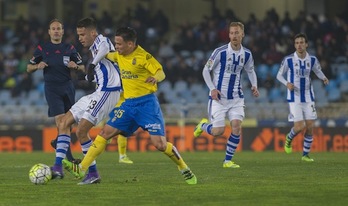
(302, 111)
(95, 107)
(218, 110)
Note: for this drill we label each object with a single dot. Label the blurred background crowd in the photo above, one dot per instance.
(184, 49)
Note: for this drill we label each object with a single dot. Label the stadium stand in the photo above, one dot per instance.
(183, 55)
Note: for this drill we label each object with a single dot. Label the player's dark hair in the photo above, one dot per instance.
(127, 33)
(87, 23)
(301, 35)
(55, 20)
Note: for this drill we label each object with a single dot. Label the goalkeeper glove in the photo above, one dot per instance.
(90, 72)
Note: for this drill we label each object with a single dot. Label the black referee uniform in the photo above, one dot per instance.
(59, 88)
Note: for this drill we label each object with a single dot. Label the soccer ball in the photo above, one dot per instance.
(40, 174)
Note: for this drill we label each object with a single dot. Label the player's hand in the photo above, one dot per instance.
(255, 91)
(41, 65)
(151, 80)
(90, 72)
(215, 94)
(290, 86)
(326, 81)
(73, 65)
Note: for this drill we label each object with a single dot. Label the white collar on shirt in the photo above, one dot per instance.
(297, 57)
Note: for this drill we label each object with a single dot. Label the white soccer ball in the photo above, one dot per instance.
(40, 174)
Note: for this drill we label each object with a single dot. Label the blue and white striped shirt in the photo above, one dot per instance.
(298, 73)
(107, 73)
(227, 66)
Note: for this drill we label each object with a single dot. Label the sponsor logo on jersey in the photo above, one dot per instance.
(209, 63)
(148, 56)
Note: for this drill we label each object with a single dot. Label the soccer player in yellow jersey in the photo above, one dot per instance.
(140, 73)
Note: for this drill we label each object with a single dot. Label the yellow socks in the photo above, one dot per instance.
(174, 155)
(122, 145)
(97, 147)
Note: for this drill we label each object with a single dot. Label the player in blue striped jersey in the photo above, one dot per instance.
(57, 60)
(222, 74)
(93, 108)
(300, 95)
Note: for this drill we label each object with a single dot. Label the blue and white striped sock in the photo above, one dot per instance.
(207, 127)
(63, 142)
(85, 146)
(291, 134)
(231, 146)
(307, 143)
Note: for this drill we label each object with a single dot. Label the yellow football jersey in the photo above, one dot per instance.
(135, 68)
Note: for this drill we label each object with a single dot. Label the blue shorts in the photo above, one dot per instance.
(113, 113)
(60, 98)
(144, 112)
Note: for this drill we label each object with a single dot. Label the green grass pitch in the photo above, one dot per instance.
(266, 178)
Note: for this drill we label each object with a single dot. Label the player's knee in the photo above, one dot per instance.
(217, 131)
(309, 126)
(108, 132)
(236, 126)
(159, 144)
(298, 128)
(62, 125)
(81, 134)
(160, 147)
